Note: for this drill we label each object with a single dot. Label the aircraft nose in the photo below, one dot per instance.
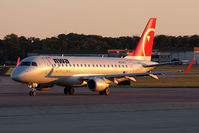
(17, 75)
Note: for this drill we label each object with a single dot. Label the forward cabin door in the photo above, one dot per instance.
(47, 65)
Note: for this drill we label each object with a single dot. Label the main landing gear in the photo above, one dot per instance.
(69, 90)
(105, 92)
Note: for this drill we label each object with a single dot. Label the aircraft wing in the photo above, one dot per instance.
(128, 75)
(136, 74)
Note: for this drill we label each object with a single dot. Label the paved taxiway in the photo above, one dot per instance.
(140, 110)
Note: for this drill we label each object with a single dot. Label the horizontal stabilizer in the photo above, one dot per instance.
(161, 64)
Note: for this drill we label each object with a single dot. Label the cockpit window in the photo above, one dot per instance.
(34, 64)
(25, 63)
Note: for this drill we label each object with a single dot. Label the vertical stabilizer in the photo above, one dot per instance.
(143, 50)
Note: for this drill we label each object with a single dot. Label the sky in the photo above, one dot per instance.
(108, 18)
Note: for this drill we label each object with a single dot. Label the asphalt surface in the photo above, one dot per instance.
(139, 110)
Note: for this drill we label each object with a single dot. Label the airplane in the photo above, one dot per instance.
(98, 73)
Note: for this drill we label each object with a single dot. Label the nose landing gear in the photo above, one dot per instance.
(32, 93)
(32, 86)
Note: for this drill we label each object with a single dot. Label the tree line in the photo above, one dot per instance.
(13, 46)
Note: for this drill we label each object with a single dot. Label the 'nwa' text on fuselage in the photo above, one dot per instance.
(64, 61)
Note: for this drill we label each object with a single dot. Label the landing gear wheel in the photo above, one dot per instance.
(69, 90)
(66, 91)
(32, 93)
(101, 92)
(32, 86)
(107, 91)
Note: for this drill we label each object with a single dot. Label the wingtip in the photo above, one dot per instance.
(188, 68)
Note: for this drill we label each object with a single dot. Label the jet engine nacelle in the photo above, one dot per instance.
(97, 84)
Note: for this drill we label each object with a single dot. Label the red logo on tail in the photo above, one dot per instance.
(144, 47)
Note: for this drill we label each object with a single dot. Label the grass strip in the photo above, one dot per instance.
(167, 82)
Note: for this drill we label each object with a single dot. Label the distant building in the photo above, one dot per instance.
(158, 56)
(182, 55)
(118, 52)
(161, 56)
(196, 54)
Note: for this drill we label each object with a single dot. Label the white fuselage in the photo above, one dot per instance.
(66, 71)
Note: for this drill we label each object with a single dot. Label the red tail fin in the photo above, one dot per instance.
(18, 60)
(144, 47)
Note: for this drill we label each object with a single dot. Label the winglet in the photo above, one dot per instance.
(18, 60)
(187, 69)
